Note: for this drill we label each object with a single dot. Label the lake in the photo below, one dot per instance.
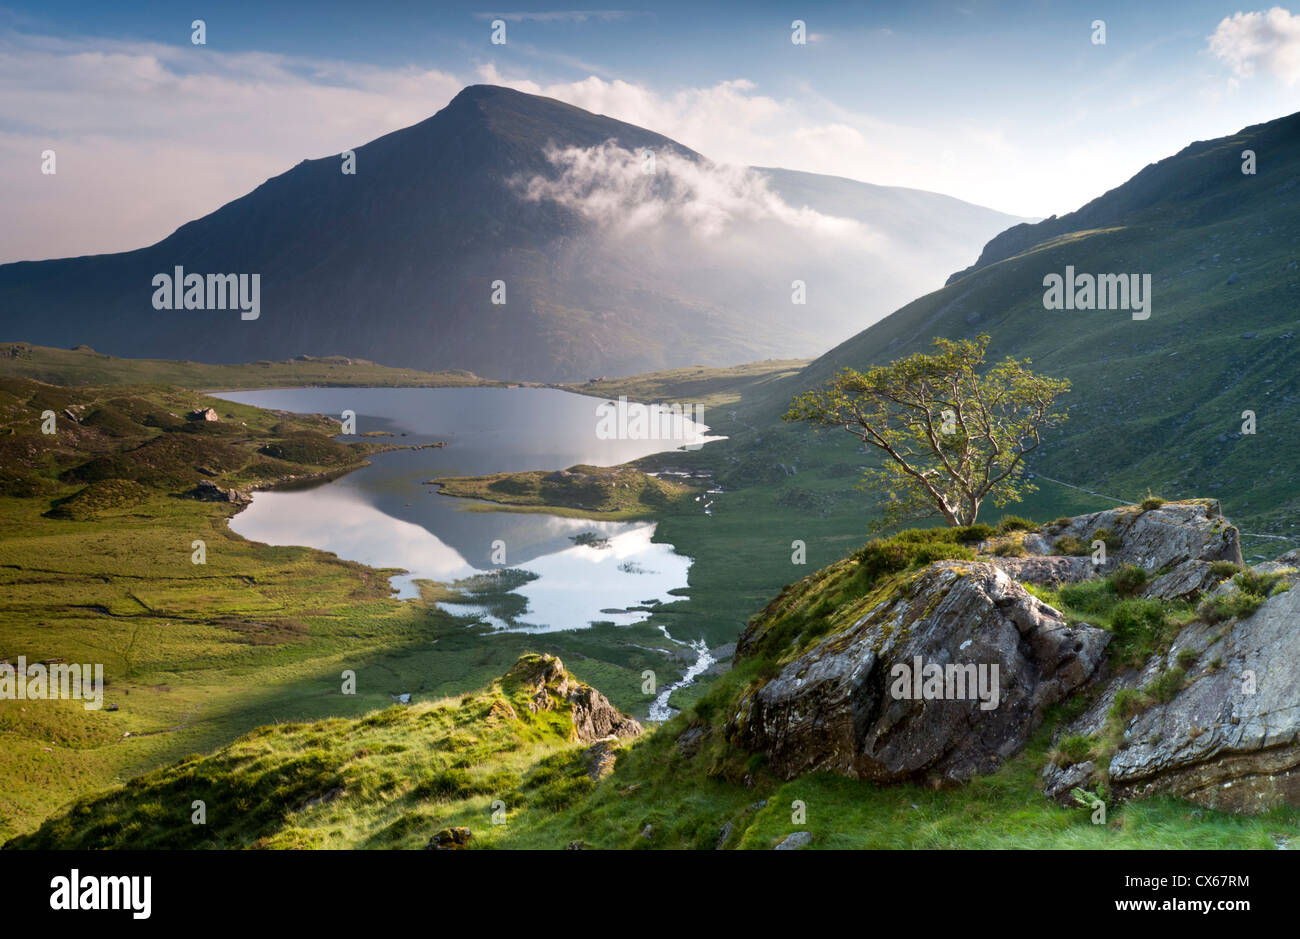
(384, 516)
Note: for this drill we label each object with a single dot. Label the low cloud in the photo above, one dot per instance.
(610, 185)
(1260, 42)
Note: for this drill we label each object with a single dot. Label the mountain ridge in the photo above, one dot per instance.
(397, 263)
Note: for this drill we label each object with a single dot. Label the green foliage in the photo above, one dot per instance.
(884, 556)
(1257, 583)
(1128, 579)
(1252, 589)
(1107, 537)
(168, 461)
(1092, 598)
(1071, 750)
(100, 497)
(952, 436)
(1140, 627)
(114, 422)
(1164, 686)
(1070, 545)
(1224, 569)
(582, 490)
(1128, 703)
(387, 779)
(1010, 523)
(1239, 604)
(312, 449)
(1154, 502)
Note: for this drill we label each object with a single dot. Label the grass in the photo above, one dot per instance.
(1141, 626)
(709, 387)
(390, 779)
(196, 655)
(197, 658)
(83, 366)
(617, 492)
(686, 804)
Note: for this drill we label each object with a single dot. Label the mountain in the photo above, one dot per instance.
(607, 269)
(1157, 403)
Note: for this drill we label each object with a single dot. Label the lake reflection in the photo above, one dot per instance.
(383, 516)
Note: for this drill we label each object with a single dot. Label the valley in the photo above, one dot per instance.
(418, 633)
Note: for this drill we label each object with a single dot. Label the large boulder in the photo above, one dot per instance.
(1047, 571)
(208, 491)
(1187, 581)
(1229, 738)
(1160, 538)
(857, 702)
(550, 686)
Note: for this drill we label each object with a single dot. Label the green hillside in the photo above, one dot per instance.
(1157, 404)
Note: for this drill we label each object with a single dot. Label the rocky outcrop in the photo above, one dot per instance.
(1229, 737)
(450, 839)
(1213, 716)
(865, 701)
(1159, 538)
(548, 686)
(601, 756)
(1047, 571)
(1187, 581)
(208, 491)
(203, 414)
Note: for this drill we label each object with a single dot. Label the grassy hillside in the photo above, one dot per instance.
(395, 776)
(1157, 404)
(616, 492)
(84, 366)
(96, 546)
(388, 780)
(699, 385)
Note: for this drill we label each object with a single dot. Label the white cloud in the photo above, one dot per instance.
(611, 186)
(150, 136)
(733, 122)
(1266, 42)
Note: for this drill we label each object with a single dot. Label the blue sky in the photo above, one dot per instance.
(1010, 105)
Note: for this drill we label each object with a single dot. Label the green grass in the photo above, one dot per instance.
(82, 366)
(390, 779)
(617, 492)
(710, 387)
(196, 655)
(393, 777)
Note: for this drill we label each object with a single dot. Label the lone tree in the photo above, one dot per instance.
(953, 438)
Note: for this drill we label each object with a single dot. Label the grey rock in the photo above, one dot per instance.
(833, 707)
(795, 841)
(450, 839)
(592, 714)
(1187, 581)
(1036, 544)
(1163, 537)
(1063, 782)
(208, 491)
(1047, 571)
(1221, 741)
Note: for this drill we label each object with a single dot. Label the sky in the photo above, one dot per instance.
(1012, 105)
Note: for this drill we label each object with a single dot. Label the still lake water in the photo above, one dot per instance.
(382, 515)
